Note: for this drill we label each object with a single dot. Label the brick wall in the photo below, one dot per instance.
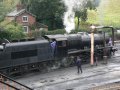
(31, 19)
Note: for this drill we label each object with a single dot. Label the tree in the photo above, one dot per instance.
(47, 12)
(6, 6)
(82, 13)
(51, 12)
(12, 30)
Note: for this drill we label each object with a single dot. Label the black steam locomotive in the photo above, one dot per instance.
(20, 57)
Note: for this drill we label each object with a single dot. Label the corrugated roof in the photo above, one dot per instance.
(40, 25)
(61, 39)
(55, 36)
(15, 12)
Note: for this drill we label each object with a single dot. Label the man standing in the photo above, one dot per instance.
(53, 45)
(110, 42)
(96, 59)
(78, 63)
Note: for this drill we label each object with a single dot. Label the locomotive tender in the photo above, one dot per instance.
(19, 57)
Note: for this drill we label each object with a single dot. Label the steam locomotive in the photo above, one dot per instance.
(20, 57)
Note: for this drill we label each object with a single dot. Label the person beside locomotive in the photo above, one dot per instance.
(96, 55)
(112, 49)
(96, 59)
(79, 64)
(53, 46)
(110, 42)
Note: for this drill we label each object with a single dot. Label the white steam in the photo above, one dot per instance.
(69, 21)
(69, 15)
(101, 11)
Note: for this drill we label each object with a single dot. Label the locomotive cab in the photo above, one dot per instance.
(61, 44)
(61, 47)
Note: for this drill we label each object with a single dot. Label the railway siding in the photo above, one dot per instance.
(110, 86)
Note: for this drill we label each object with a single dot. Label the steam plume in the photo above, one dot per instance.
(69, 15)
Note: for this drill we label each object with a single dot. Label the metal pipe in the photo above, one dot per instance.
(92, 48)
(93, 28)
(112, 36)
(104, 41)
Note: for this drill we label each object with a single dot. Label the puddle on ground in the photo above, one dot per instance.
(43, 81)
(51, 80)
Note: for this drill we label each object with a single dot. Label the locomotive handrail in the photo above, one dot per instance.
(83, 50)
(15, 82)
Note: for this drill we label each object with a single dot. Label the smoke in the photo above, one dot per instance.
(69, 15)
(101, 11)
(69, 21)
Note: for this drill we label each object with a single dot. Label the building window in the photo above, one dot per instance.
(25, 29)
(25, 18)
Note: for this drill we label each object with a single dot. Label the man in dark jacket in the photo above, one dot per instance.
(96, 58)
(78, 63)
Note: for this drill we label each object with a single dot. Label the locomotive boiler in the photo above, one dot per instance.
(20, 57)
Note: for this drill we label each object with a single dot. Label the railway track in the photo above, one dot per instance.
(53, 83)
(110, 86)
(113, 86)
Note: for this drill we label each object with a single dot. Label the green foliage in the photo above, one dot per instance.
(6, 6)
(12, 31)
(58, 31)
(83, 13)
(74, 31)
(92, 4)
(92, 17)
(83, 26)
(4, 34)
(107, 14)
(47, 12)
(37, 34)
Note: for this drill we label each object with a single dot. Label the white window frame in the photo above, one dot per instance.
(24, 29)
(25, 17)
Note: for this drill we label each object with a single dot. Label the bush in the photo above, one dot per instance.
(12, 31)
(58, 31)
(37, 33)
(4, 34)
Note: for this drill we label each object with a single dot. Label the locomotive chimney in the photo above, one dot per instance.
(19, 6)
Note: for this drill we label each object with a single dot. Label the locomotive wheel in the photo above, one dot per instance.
(5, 71)
(39, 66)
(57, 64)
(67, 61)
(42, 66)
(50, 65)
